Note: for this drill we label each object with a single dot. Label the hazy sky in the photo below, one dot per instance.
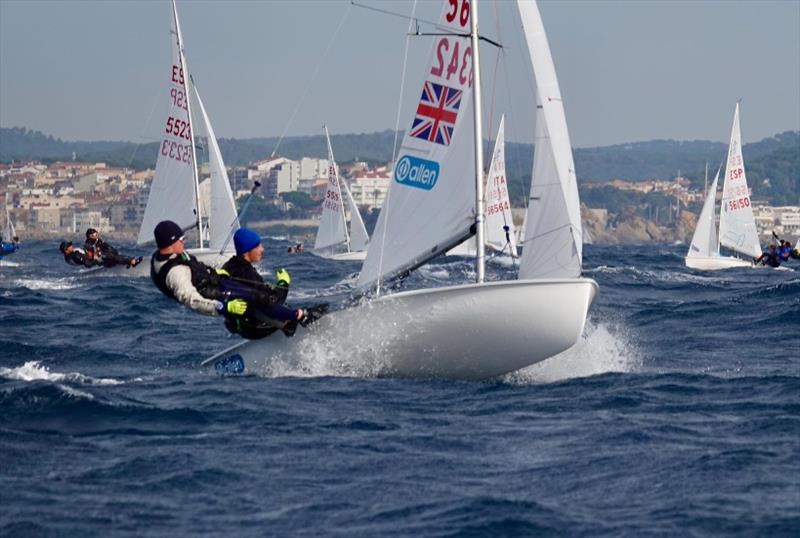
(629, 71)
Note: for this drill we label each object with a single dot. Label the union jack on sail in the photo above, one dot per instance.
(436, 113)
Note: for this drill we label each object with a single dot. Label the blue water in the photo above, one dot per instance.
(678, 414)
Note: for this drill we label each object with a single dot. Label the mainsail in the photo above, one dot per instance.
(332, 224)
(500, 234)
(704, 241)
(430, 206)
(173, 192)
(8, 232)
(737, 227)
(553, 245)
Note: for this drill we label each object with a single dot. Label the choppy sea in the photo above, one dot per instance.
(678, 414)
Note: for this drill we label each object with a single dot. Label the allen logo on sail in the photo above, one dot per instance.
(416, 172)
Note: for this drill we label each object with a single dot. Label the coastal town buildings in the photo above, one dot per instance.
(69, 196)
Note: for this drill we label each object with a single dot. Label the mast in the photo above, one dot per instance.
(480, 259)
(195, 172)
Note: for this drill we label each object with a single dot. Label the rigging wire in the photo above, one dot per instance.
(313, 79)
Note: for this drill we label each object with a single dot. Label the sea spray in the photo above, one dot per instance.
(603, 348)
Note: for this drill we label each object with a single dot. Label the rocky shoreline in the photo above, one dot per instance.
(601, 228)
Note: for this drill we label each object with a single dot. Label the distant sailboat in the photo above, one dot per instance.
(469, 331)
(737, 227)
(9, 232)
(333, 240)
(501, 237)
(175, 191)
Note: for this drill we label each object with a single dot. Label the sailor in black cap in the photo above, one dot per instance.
(104, 254)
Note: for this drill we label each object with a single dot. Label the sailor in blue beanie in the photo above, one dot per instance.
(246, 240)
(258, 323)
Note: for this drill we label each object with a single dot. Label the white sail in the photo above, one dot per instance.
(359, 238)
(498, 207)
(500, 233)
(431, 201)
(222, 217)
(332, 229)
(173, 192)
(737, 227)
(554, 235)
(8, 232)
(704, 241)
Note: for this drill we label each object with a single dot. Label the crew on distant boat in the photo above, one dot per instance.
(258, 322)
(771, 257)
(76, 256)
(180, 276)
(104, 254)
(785, 249)
(296, 249)
(8, 248)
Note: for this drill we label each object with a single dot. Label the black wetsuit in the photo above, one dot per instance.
(771, 258)
(258, 321)
(260, 298)
(76, 257)
(107, 255)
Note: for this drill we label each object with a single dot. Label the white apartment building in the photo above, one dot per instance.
(369, 187)
(783, 220)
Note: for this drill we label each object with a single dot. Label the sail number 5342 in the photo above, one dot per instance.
(451, 61)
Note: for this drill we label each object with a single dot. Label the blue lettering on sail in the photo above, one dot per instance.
(416, 172)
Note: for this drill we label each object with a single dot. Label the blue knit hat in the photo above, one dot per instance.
(245, 240)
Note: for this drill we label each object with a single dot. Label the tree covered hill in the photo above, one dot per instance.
(773, 164)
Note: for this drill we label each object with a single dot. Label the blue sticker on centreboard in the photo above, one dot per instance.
(416, 172)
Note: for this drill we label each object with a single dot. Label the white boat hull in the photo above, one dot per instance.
(714, 263)
(469, 332)
(356, 256)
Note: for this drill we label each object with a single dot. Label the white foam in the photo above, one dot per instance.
(75, 392)
(6, 263)
(602, 349)
(67, 283)
(34, 371)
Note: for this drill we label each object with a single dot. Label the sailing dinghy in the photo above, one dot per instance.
(175, 190)
(737, 227)
(333, 240)
(500, 235)
(470, 331)
(9, 232)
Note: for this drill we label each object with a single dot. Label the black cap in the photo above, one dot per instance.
(90, 231)
(166, 233)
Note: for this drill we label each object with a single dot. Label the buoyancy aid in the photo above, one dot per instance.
(785, 252)
(204, 279)
(210, 284)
